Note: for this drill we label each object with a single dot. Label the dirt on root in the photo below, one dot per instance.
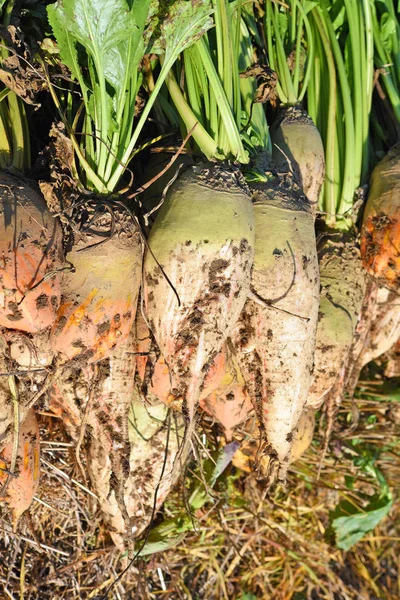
(272, 546)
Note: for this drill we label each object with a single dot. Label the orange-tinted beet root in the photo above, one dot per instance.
(380, 235)
(380, 244)
(99, 297)
(18, 491)
(30, 258)
(224, 395)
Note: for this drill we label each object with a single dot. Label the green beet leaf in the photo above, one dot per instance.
(179, 23)
(103, 42)
(351, 523)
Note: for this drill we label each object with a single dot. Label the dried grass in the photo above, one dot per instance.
(275, 547)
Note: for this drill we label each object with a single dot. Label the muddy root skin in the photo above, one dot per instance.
(392, 368)
(68, 396)
(152, 374)
(376, 313)
(31, 352)
(354, 363)
(31, 258)
(247, 455)
(203, 237)
(158, 457)
(25, 382)
(100, 294)
(384, 330)
(380, 235)
(132, 446)
(297, 147)
(94, 403)
(275, 346)
(110, 395)
(18, 491)
(145, 476)
(6, 403)
(343, 285)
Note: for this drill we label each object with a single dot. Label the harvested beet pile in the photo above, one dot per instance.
(182, 263)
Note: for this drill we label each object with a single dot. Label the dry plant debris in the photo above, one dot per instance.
(246, 545)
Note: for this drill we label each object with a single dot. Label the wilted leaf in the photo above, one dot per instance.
(224, 458)
(62, 146)
(266, 82)
(17, 75)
